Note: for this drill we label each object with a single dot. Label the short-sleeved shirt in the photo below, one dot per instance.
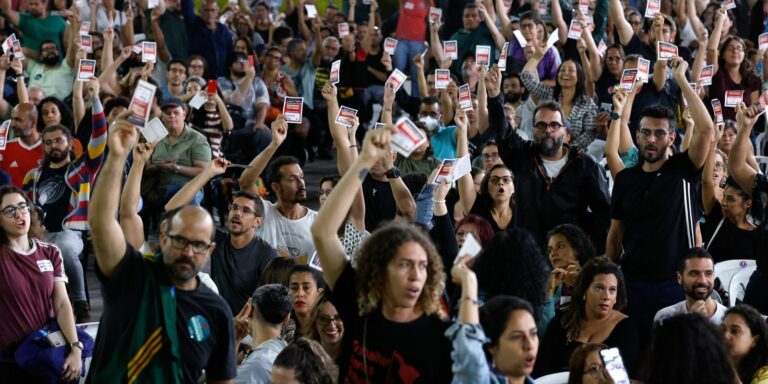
(26, 289)
(444, 143)
(56, 81)
(722, 82)
(516, 60)
(38, 30)
(304, 80)
(409, 165)
(257, 366)
(291, 238)
(378, 194)
(18, 159)
(659, 212)
(212, 349)
(413, 352)
(190, 146)
(680, 308)
(236, 272)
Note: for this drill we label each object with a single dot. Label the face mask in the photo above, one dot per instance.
(431, 123)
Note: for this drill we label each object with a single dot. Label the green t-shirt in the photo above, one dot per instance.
(191, 146)
(407, 165)
(38, 30)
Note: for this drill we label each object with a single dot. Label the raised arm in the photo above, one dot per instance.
(5, 63)
(737, 161)
(332, 214)
(226, 120)
(187, 193)
(714, 38)
(371, 25)
(162, 49)
(418, 62)
(704, 127)
(403, 198)
(21, 86)
(387, 102)
(482, 102)
(595, 66)
(623, 27)
(467, 192)
(689, 128)
(693, 18)
(251, 175)
(557, 19)
(708, 187)
(106, 235)
(490, 22)
(660, 74)
(107, 56)
(435, 43)
(10, 14)
(506, 26)
(78, 104)
(108, 76)
(700, 58)
(615, 165)
(589, 81)
(130, 221)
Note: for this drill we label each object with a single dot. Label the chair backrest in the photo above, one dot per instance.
(762, 162)
(725, 270)
(739, 284)
(555, 378)
(760, 144)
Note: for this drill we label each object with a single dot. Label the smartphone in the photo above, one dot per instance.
(56, 339)
(212, 87)
(615, 365)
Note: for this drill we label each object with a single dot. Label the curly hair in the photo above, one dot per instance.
(746, 70)
(758, 355)
(579, 240)
(35, 222)
(67, 118)
(512, 264)
(576, 310)
(379, 250)
(688, 349)
(309, 362)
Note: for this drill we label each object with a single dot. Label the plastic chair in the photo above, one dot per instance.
(762, 163)
(555, 378)
(738, 285)
(725, 270)
(760, 144)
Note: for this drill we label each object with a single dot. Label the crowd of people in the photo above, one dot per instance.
(576, 171)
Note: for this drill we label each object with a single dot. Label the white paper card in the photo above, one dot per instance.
(154, 131)
(407, 137)
(520, 38)
(390, 45)
(4, 129)
(465, 98)
(503, 57)
(141, 103)
(470, 248)
(574, 32)
(483, 55)
(86, 70)
(451, 49)
(198, 100)
(311, 11)
(396, 79)
(148, 51)
(335, 72)
(733, 98)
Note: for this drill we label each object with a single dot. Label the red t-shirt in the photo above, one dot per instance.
(17, 159)
(26, 289)
(412, 23)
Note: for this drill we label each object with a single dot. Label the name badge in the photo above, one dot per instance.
(409, 5)
(45, 265)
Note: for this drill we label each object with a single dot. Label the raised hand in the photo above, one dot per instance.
(122, 137)
(461, 271)
(217, 166)
(679, 66)
(142, 152)
(329, 91)
(92, 89)
(279, 130)
(619, 101)
(243, 321)
(493, 81)
(376, 145)
(746, 117)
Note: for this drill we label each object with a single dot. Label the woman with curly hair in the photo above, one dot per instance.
(592, 317)
(746, 337)
(389, 303)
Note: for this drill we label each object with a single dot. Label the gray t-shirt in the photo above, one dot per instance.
(257, 367)
(680, 308)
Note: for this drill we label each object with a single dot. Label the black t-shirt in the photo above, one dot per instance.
(730, 242)
(659, 211)
(53, 194)
(201, 309)
(414, 352)
(606, 87)
(378, 196)
(374, 61)
(236, 272)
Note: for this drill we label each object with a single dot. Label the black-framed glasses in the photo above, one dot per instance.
(490, 156)
(325, 320)
(613, 59)
(500, 180)
(658, 134)
(543, 125)
(181, 242)
(243, 210)
(11, 210)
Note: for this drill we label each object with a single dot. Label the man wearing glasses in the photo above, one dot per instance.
(554, 183)
(240, 256)
(653, 211)
(160, 324)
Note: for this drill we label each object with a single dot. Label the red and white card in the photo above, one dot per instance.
(643, 69)
(453, 169)
(17, 52)
(729, 4)
(8, 43)
(293, 108)
(335, 72)
(86, 43)
(86, 70)
(435, 14)
(665, 51)
(396, 79)
(4, 129)
(706, 75)
(465, 98)
(407, 137)
(390, 45)
(85, 28)
(451, 49)
(346, 116)
(343, 29)
(503, 57)
(601, 47)
(718, 109)
(442, 78)
(584, 6)
(628, 79)
(148, 51)
(763, 39)
(574, 32)
(652, 8)
(483, 55)
(141, 103)
(763, 101)
(733, 98)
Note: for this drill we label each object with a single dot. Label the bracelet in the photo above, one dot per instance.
(471, 300)
(438, 201)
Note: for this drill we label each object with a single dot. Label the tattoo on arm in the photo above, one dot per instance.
(363, 173)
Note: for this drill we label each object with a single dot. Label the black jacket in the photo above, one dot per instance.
(577, 195)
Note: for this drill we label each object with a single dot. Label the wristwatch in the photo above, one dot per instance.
(77, 344)
(178, 169)
(393, 173)
(615, 116)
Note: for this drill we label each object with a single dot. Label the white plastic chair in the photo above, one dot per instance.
(91, 329)
(555, 378)
(762, 163)
(738, 285)
(760, 144)
(725, 270)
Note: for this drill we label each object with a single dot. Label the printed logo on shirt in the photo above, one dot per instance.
(14, 164)
(39, 76)
(45, 266)
(198, 328)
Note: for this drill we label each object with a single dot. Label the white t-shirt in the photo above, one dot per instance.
(291, 238)
(680, 308)
(554, 167)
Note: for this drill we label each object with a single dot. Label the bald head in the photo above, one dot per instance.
(27, 109)
(24, 122)
(191, 215)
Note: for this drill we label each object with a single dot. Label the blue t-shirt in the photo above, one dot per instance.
(444, 143)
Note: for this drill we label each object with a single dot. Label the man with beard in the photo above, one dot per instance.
(62, 187)
(696, 274)
(554, 183)
(207, 37)
(53, 76)
(286, 223)
(175, 75)
(25, 152)
(155, 302)
(240, 256)
(37, 25)
(238, 88)
(653, 212)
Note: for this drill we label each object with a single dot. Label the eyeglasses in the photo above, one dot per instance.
(243, 210)
(490, 156)
(527, 26)
(181, 242)
(500, 180)
(595, 371)
(735, 48)
(658, 134)
(10, 211)
(196, 66)
(719, 165)
(325, 192)
(325, 320)
(542, 125)
(613, 59)
(273, 57)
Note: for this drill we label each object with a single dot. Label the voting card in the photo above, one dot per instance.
(407, 137)
(442, 78)
(465, 98)
(141, 103)
(733, 98)
(148, 51)
(335, 72)
(86, 70)
(451, 49)
(396, 79)
(293, 108)
(483, 55)
(154, 131)
(390, 45)
(346, 116)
